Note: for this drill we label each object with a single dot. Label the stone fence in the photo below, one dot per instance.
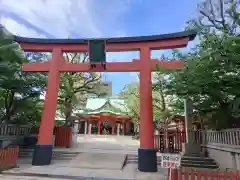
(223, 146)
(226, 136)
(14, 130)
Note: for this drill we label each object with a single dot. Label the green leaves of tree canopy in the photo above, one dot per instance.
(75, 87)
(19, 92)
(211, 78)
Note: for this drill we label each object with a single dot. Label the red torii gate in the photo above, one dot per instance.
(147, 161)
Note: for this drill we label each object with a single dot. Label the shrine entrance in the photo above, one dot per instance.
(107, 124)
(106, 128)
(147, 157)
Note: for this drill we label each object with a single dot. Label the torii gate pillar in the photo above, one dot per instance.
(147, 158)
(45, 138)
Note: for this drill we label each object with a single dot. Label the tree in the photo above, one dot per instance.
(161, 103)
(161, 111)
(211, 77)
(19, 92)
(75, 87)
(216, 16)
(131, 96)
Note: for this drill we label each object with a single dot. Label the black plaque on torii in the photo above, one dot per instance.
(97, 52)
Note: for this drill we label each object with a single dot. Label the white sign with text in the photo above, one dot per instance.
(170, 160)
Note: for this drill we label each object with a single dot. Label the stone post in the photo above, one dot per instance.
(85, 127)
(90, 128)
(188, 107)
(118, 129)
(189, 147)
(99, 127)
(166, 138)
(124, 128)
(75, 130)
(113, 128)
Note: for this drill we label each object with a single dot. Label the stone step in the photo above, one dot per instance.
(186, 161)
(196, 165)
(197, 159)
(135, 157)
(54, 154)
(136, 162)
(27, 153)
(200, 155)
(54, 151)
(53, 157)
(212, 162)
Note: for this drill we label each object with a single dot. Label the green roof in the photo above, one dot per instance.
(95, 105)
(106, 105)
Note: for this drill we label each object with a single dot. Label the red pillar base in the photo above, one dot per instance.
(42, 155)
(147, 160)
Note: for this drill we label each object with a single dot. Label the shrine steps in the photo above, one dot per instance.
(57, 155)
(186, 161)
(198, 161)
(133, 159)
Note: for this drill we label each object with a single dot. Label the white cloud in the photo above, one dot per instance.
(64, 18)
(87, 18)
(19, 29)
(53, 16)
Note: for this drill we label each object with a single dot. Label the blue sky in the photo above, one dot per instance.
(98, 18)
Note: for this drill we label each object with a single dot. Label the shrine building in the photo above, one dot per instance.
(105, 116)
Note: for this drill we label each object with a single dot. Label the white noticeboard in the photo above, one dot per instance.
(170, 160)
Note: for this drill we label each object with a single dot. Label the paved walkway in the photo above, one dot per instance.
(99, 159)
(61, 171)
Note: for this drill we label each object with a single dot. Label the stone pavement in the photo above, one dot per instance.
(11, 177)
(100, 158)
(85, 166)
(99, 161)
(57, 171)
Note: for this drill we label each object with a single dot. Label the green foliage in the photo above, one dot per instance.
(19, 92)
(211, 78)
(161, 110)
(75, 87)
(131, 97)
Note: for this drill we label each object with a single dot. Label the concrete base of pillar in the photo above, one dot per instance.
(74, 140)
(191, 149)
(42, 155)
(147, 160)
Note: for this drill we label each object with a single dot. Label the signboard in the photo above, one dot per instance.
(97, 53)
(170, 160)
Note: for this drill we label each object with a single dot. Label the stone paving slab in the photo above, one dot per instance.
(11, 177)
(98, 161)
(130, 172)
